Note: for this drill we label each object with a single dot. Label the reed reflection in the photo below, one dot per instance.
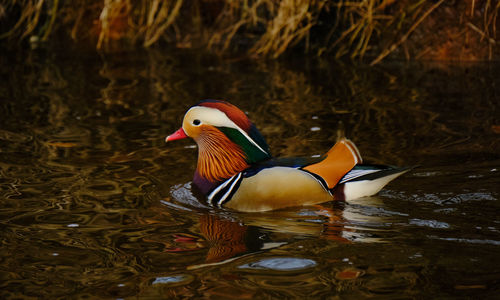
(84, 170)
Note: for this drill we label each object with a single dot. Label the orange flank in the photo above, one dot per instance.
(341, 158)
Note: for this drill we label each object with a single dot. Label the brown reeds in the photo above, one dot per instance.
(258, 28)
(291, 24)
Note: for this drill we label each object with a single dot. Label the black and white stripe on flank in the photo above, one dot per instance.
(224, 191)
(319, 179)
(355, 174)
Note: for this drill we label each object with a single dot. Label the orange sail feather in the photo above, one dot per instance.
(339, 160)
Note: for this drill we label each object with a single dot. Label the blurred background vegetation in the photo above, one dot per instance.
(362, 29)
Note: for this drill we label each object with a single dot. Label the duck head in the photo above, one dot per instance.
(227, 140)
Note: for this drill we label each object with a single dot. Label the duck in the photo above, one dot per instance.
(235, 169)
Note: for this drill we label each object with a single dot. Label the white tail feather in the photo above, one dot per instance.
(364, 188)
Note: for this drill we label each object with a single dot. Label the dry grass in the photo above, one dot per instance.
(259, 28)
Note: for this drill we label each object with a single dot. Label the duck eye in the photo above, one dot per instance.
(196, 122)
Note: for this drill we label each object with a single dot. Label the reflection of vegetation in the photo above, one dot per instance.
(285, 101)
(266, 27)
(83, 169)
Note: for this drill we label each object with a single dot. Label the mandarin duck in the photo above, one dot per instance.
(235, 168)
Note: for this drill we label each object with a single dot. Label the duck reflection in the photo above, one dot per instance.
(229, 236)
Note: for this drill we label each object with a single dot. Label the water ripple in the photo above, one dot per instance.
(465, 240)
(280, 264)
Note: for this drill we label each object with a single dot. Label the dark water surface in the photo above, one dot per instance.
(94, 204)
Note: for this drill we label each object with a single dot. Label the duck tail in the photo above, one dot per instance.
(367, 180)
(337, 162)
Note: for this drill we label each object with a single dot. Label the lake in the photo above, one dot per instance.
(95, 204)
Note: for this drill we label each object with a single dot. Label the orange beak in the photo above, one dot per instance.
(179, 134)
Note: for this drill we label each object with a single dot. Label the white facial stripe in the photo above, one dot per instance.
(210, 116)
(217, 118)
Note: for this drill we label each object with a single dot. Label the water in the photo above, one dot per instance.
(95, 204)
